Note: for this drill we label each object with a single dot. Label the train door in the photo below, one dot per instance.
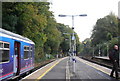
(17, 58)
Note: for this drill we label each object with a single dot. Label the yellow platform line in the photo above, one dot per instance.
(47, 71)
(95, 67)
(98, 69)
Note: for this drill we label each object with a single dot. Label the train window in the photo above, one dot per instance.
(1, 45)
(27, 48)
(5, 55)
(30, 51)
(26, 52)
(24, 48)
(31, 48)
(4, 51)
(6, 45)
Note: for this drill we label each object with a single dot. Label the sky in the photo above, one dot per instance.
(95, 9)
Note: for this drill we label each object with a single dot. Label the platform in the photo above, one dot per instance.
(59, 70)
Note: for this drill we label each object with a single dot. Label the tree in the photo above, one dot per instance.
(9, 18)
(34, 21)
(53, 36)
(105, 29)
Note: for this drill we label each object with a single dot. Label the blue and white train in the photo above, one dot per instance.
(16, 54)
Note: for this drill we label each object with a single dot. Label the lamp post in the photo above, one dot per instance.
(73, 36)
(74, 45)
(69, 46)
(69, 42)
(93, 52)
(99, 52)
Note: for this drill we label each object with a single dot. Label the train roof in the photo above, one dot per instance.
(5, 33)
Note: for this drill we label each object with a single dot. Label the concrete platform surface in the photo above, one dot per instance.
(62, 68)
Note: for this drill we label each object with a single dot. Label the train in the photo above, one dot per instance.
(16, 54)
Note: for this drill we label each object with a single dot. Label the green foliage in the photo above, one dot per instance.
(104, 35)
(9, 19)
(34, 21)
(28, 20)
(105, 29)
(66, 32)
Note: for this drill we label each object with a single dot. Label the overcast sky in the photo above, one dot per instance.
(95, 9)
